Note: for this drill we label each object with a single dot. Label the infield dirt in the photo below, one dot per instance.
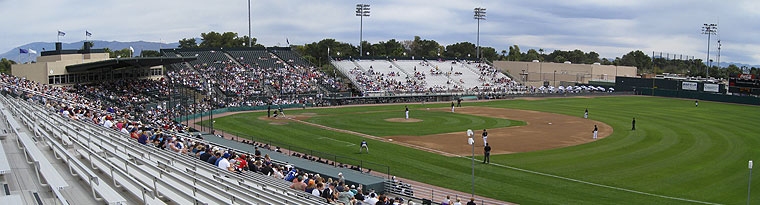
(538, 134)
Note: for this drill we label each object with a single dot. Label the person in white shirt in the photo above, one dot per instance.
(224, 163)
(318, 190)
(371, 199)
(108, 124)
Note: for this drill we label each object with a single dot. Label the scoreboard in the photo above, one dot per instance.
(745, 84)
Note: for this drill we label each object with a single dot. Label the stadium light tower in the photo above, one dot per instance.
(709, 29)
(249, 24)
(362, 10)
(480, 14)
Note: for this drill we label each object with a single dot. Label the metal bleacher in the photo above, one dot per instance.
(205, 57)
(291, 57)
(44, 170)
(257, 58)
(152, 175)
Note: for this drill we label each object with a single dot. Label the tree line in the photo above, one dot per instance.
(317, 53)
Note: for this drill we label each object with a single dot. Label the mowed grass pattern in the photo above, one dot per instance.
(677, 150)
(433, 122)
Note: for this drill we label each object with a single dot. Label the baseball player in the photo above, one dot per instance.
(596, 130)
(585, 115)
(406, 111)
(364, 146)
(459, 102)
(485, 137)
(696, 103)
(633, 124)
(452, 106)
(487, 154)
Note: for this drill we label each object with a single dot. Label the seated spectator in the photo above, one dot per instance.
(298, 184)
(224, 163)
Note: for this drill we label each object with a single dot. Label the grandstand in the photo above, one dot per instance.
(384, 77)
(108, 162)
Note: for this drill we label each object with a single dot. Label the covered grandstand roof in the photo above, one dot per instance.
(128, 62)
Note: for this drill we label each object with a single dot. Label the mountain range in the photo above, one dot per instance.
(14, 55)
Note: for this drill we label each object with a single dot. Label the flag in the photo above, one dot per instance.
(87, 33)
(32, 51)
(61, 33)
(21, 50)
(287, 41)
(131, 49)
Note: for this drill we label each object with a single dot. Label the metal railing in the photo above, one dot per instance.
(332, 159)
(436, 196)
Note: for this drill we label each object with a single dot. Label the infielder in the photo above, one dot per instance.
(585, 115)
(452, 106)
(364, 146)
(596, 130)
(485, 137)
(406, 112)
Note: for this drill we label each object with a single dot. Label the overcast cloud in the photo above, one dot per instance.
(609, 27)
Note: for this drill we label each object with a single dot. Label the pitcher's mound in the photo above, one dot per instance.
(403, 120)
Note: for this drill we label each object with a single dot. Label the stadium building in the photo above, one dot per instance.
(554, 74)
(67, 67)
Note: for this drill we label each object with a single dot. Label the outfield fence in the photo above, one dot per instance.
(748, 100)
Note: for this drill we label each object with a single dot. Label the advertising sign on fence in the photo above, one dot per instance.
(711, 87)
(689, 86)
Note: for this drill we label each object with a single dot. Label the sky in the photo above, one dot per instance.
(608, 27)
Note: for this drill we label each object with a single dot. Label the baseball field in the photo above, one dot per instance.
(543, 151)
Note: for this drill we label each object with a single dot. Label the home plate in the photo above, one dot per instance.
(390, 139)
(550, 123)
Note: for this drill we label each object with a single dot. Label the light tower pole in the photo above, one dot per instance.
(249, 24)
(719, 45)
(709, 29)
(480, 14)
(362, 10)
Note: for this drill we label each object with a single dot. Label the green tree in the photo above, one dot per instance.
(531, 55)
(150, 53)
(489, 53)
(316, 52)
(123, 53)
(424, 48)
(638, 59)
(188, 43)
(460, 50)
(514, 53)
(5, 65)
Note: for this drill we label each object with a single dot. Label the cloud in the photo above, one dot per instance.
(609, 27)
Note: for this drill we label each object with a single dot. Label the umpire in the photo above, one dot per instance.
(487, 152)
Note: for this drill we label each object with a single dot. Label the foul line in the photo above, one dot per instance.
(500, 165)
(595, 184)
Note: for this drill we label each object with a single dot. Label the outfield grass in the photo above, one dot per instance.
(433, 122)
(678, 150)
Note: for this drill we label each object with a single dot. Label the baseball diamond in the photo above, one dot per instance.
(671, 137)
